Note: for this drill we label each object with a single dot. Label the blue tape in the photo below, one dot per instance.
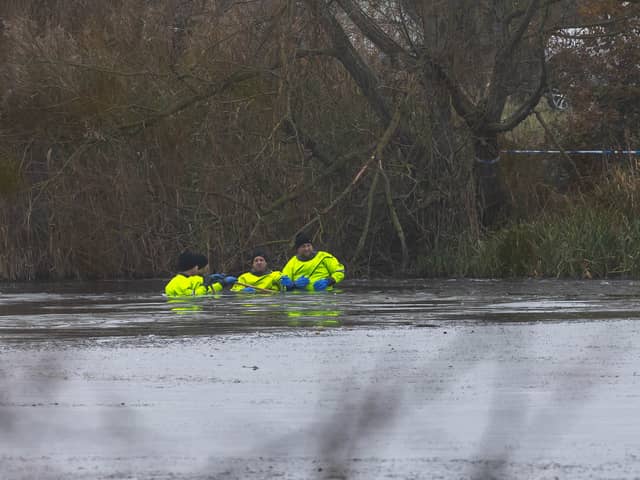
(488, 162)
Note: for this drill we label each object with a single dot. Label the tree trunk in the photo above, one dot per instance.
(489, 188)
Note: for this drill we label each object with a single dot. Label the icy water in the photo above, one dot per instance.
(424, 379)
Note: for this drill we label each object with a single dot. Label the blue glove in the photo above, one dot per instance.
(301, 282)
(321, 284)
(286, 282)
(213, 278)
(248, 290)
(229, 280)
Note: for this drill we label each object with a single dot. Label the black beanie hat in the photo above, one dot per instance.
(188, 260)
(301, 239)
(259, 252)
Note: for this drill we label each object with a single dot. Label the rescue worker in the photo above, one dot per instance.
(193, 279)
(311, 270)
(260, 278)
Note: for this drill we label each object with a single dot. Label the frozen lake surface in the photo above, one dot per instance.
(534, 379)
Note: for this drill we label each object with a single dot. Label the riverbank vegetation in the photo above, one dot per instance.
(588, 238)
(131, 130)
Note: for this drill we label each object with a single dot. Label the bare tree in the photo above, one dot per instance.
(466, 55)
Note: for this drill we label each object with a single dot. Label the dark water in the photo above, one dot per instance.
(383, 379)
(137, 308)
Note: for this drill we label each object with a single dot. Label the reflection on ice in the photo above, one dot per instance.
(517, 380)
(135, 308)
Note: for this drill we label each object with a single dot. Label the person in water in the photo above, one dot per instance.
(311, 270)
(193, 278)
(260, 277)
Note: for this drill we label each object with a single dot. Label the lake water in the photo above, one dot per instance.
(464, 379)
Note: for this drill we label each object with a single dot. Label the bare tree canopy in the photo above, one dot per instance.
(378, 125)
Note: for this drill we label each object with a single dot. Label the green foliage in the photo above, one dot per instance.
(583, 242)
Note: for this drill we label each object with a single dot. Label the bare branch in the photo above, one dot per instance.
(370, 29)
(377, 155)
(517, 35)
(603, 23)
(395, 219)
(519, 12)
(554, 139)
(367, 223)
(240, 75)
(326, 173)
(346, 53)
(526, 108)
(98, 68)
(460, 100)
(216, 89)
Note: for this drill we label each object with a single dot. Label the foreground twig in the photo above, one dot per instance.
(382, 144)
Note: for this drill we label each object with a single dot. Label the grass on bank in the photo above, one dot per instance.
(583, 243)
(595, 236)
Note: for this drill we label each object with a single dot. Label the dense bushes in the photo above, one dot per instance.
(593, 236)
(132, 130)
